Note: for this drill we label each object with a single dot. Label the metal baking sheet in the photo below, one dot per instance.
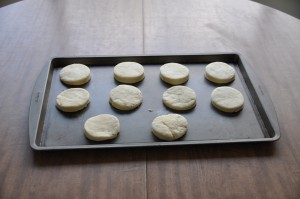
(51, 129)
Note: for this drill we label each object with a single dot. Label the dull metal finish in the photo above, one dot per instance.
(51, 129)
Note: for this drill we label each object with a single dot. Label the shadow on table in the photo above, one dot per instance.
(88, 156)
(170, 153)
(214, 151)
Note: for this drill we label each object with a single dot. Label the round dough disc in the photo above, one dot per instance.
(72, 100)
(129, 72)
(125, 97)
(219, 72)
(75, 74)
(179, 98)
(227, 99)
(174, 73)
(169, 127)
(102, 127)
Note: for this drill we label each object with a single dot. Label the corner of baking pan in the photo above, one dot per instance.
(264, 98)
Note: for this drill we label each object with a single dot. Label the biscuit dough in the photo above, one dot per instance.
(129, 72)
(169, 127)
(72, 100)
(125, 97)
(75, 74)
(174, 73)
(227, 99)
(179, 98)
(219, 72)
(102, 127)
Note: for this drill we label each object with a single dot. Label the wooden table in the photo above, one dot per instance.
(33, 31)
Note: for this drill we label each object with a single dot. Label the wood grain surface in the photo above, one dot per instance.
(33, 31)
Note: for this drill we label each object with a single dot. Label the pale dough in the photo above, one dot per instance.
(174, 73)
(125, 97)
(75, 74)
(129, 72)
(102, 127)
(219, 72)
(169, 127)
(227, 99)
(179, 98)
(72, 100)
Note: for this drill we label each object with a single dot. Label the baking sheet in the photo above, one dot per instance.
(52, 129)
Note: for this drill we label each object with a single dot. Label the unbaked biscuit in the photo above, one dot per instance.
(72, 100)
(75, 74)
(180, 98)
(169, 127)
(125, 97)
(174, 73)
(102, 127)
(227, 99)
(129, 72)
(219, 72)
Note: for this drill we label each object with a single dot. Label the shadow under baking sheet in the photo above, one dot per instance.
(166, 153)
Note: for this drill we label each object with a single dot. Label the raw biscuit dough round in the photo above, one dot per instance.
(75, 74)
(102, 127)
(180, 98)
(219, 72)
(169, 127)
(72, 100)
(174, 73)
(129, 72)
(125, 97)
(227, 99)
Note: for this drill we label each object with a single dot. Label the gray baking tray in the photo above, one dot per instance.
(51, 129)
